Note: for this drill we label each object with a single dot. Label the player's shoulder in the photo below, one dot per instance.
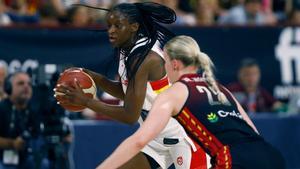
(153, 62)
(175, 90)
(153, 58)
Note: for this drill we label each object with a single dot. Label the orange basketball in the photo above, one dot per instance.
(85, 81)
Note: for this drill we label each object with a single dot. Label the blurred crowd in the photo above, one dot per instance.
(189, 12)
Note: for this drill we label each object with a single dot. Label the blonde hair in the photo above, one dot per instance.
(187, 50)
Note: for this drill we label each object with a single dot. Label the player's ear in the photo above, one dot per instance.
(134, 27)
(175, 64)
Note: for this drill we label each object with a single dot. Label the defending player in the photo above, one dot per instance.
(208, 112)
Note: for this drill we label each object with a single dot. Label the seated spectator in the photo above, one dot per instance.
(227, 4)
(294, 17)
(48, 14)
(78, 16)
(183, 18)
(20, 13)
(206, 12)
(280, 8)
(249, 13)
(248, 91)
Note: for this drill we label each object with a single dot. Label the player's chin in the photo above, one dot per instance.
(115, 43)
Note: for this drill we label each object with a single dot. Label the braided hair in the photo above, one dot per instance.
(149, 16)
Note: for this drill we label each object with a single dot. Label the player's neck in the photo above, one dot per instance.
(129, 44)
(187, 70)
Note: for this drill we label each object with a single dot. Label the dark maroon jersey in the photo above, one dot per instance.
(213, 125)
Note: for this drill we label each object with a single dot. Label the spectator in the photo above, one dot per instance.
(206, 11)
(3, 73)
(4, 18)
(183, 18)
(78, 16)
(20, 13)
(280, 8)
(249, 13)
(249, 93)
(48, 14)
(19, 124)
(294, 17)
(293, 10)
(227, 4)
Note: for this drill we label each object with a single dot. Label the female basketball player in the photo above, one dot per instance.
(134, 30)
(208, 112)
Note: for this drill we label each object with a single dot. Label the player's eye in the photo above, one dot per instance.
(118, 26)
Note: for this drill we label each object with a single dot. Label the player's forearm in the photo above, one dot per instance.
(118, 113)
(6, 143)
(112, 87)
(127, 150)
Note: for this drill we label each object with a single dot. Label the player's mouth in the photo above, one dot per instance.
(112, 39)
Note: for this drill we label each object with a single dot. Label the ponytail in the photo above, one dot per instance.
(186, 49)
(207, 65)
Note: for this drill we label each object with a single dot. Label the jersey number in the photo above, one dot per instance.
(211, 100)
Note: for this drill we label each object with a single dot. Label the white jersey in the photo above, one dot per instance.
(173, 129)
(180, 153)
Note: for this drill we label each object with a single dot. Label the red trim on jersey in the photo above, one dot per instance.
(207, 139)
(198, 158)
(159, 84)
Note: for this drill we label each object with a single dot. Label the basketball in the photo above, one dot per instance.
(85, 82)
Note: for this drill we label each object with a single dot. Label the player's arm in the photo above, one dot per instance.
(245, 116)
(166, 105)
(243, 113)
(110, 86)
(135, 93)
(133, 99)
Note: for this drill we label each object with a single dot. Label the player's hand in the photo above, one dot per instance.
(18, 143)
(70, 95)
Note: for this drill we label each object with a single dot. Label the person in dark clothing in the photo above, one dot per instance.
(253, 97)
(19, 123)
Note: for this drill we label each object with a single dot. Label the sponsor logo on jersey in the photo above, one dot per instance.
(212, 117)
(222, 113)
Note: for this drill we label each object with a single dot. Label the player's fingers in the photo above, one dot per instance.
(68, 104)
(60, 90)
(64, 99)
(76, 84)
(65, 103)
(63, 89)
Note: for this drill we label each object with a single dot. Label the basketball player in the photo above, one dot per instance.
(208, 112)
(135, 31)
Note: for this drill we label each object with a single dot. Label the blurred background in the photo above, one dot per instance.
(255, 45)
